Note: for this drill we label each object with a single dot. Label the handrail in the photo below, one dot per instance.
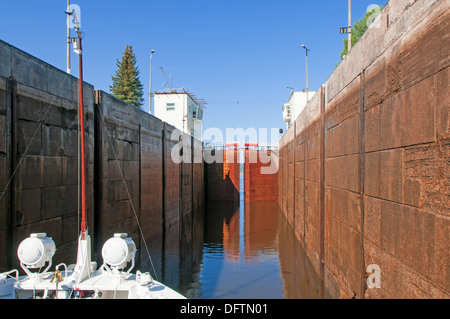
(5, 275)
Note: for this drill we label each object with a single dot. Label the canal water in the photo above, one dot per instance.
(249, 251)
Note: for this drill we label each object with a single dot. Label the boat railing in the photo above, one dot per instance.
(4, 276)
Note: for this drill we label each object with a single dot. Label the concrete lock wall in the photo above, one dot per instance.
(260, 176)
(364, 170)
(131, 177)
(222, 175)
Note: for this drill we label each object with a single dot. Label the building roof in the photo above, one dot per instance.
(199, 102)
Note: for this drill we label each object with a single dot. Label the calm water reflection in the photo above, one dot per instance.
(249, 251)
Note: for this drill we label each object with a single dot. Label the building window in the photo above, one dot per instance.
(170, 106)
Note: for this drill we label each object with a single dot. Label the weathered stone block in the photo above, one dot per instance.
(123, 190)
(372, 174)
(120, 150)
(343, 172)
(70, 143)
(131, 169)
(69, 170)
(391, 175)
(415, 67)
(51, 171)
(3, 172)
(3, 99)
(28, 138)
(69, 116)
(411, 192)
(428, 164)
(3, 135)
(114, 170)
(344, 206)
(28, 206)
(423, 238)
(392, 120)
(343, 139)
(5, 60)
(28, 70)
(442, 103)
(59, 201)
(313, 170)
(384, 175)
(59, 83)
(372, 219)
(52, 141)
(409, 234)
(36, 110)
(441, 275)
(390, 227)
(71, 237)
(372, 129)
(418, 124)
(29, 173)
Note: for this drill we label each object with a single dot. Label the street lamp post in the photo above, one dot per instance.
(69, 40)
(150, 90)
(306, 49)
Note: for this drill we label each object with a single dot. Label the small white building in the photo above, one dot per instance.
(295, 105)
(180, 109)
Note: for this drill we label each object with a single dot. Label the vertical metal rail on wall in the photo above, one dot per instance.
(11, 119)
(163, 199)
(305, 207)
(294, 149)
(192, 186)
(180, 190)
(139, 212)
(322, 183)
(98, 170)
(362, 134)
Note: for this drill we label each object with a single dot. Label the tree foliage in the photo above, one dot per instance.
(359, 28)
(126, 84)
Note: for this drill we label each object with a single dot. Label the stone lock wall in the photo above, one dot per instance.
(260, 179)
(131, 177)
(364, 170)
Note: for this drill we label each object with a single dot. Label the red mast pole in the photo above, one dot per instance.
(82, 143)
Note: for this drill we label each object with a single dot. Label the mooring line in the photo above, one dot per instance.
(31, 141)
(128, 193)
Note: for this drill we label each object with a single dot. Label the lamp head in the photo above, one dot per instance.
(36, 250)
(119, 250)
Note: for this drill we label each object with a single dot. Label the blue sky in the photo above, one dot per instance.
(238, 55)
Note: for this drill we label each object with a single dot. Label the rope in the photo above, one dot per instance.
(31, 141)
(128, 194)
(115, 156)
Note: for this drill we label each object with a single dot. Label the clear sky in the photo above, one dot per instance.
(238, 55)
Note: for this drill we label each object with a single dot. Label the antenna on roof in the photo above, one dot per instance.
(165, 78)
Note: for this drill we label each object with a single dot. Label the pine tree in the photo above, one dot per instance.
(126, 84)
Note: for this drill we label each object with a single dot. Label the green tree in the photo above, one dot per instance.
(126, 84)
(358, 29)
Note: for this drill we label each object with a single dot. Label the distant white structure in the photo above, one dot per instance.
(180, 109)
(295, 105)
